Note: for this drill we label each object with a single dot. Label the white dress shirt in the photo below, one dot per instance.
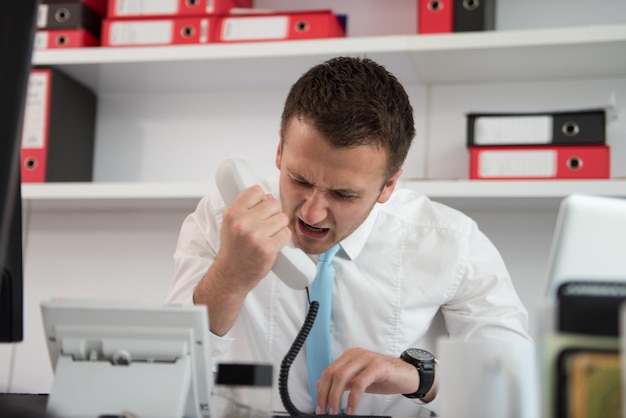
(411, 263)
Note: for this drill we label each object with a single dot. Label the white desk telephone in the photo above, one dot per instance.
(292, 265)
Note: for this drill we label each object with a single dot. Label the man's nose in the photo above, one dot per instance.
(315, 207)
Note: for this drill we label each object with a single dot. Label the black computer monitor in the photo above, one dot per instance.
(17, 28)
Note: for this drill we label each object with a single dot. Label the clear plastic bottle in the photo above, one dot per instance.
(243, 391)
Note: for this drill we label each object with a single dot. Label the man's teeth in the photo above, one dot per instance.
(312, 228)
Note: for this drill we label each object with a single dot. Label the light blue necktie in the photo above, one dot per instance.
(318, 353)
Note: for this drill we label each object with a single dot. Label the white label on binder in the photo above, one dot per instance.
(35, 114)
(42, 15)
(145, 7)
(41, 39)
(255, 28)
(210, 6)
(502, 130)
(517, 163)
(144, 32)
(204, 31)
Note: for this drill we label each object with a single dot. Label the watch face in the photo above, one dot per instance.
(419, 354)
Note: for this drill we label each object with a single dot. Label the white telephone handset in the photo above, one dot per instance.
(292, 265)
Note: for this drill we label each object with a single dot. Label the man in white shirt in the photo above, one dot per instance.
(346, 128)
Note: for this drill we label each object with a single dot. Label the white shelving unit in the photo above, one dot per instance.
(466, 194)
(425, 59)
(514, 55)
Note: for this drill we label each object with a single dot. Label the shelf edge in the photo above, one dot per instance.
(410, 43)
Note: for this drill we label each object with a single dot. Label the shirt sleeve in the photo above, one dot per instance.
(199, 242)
(197, 246)
(196, 249)
(484, 303)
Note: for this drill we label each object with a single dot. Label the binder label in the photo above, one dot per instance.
(258, 28)
(144, 32)
(523, 130)
(41, 39)
(204, 31)
(518, 163)
(145, 7)
(35, 124)
(42, 15)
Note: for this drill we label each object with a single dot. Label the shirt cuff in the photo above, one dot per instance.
(219, 347)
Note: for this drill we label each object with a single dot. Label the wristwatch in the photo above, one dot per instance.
(424, 362)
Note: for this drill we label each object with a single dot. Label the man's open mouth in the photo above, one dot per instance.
(311, 227)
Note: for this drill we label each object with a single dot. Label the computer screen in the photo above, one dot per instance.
(17, 28)
(124, 358)
(589, 242)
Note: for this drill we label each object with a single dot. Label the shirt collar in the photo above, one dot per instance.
(354, 243)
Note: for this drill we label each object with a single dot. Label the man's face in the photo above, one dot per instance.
(328, 192)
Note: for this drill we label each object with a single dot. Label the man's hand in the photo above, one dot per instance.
(361, 371)
(254, 230)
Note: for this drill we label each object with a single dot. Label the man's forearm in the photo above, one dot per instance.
(223, 302)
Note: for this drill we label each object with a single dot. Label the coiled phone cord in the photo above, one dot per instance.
(285, 365)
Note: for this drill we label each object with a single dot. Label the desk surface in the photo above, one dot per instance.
(33, 405)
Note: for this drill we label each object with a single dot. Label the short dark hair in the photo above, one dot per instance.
(351, 102)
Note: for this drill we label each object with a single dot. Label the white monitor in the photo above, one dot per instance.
(589, 242)
(128, 358)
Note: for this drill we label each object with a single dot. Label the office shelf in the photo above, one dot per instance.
(462, 194)
(427, 59)
(492, 56)
(513, 195)
(111, 196)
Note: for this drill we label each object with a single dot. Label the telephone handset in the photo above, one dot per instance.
(292, 265)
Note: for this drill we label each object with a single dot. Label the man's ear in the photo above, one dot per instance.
(389, 187)
(279, 149)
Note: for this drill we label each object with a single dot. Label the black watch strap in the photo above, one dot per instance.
(424, 362)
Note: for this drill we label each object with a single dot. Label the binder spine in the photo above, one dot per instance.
(540, 162)
(68, 15)
(474, 15)
(435, 16)
(279, 26)
(557, 128)
(171, 8)
(64, 38)
(158, 31)
(59, 129)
